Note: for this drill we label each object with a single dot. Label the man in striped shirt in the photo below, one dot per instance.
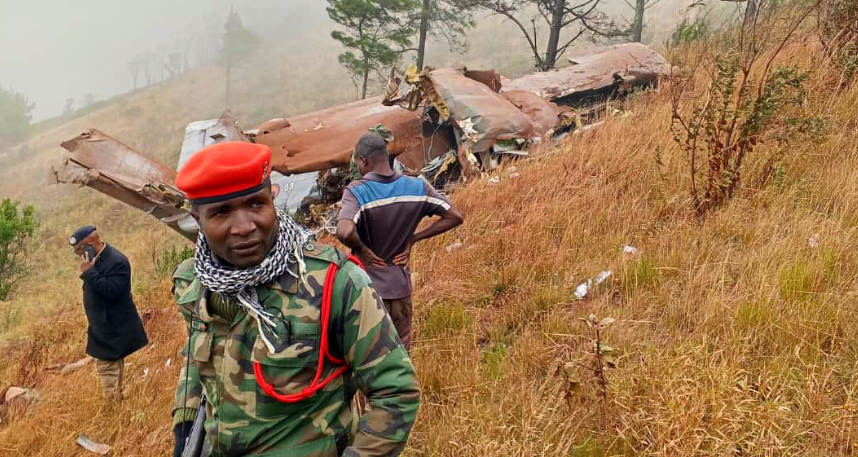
(380, 214)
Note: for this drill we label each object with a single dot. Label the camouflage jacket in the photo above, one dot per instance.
(242, 420)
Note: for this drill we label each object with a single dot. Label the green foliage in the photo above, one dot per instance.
(15, 117)
(797, 281)
(166, 260)
(493, 359)
(733, 120)
(448, 20)
(753, 316)
(637, 275)
(16, 244)
(376, 34)
(444, 318)
(688, 31)
(748, 102)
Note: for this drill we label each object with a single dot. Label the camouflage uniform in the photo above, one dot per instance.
(242, 420)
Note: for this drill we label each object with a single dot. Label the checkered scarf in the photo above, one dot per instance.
(239, 284)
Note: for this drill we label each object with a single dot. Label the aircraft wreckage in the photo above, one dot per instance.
(446, 124)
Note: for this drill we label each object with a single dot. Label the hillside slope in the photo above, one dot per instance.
(735, 335)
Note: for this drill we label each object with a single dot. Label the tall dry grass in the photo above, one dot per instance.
(735, 335)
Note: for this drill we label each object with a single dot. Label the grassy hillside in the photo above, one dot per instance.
(734, 335)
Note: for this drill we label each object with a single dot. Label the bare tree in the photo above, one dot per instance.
(239, 42)
(637, 25)
(174, 64)
(568, 21)
(135, 68)
(145, 62)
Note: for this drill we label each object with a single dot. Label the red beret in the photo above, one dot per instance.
(224, 171)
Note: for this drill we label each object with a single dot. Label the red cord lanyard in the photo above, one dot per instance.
(324, 351)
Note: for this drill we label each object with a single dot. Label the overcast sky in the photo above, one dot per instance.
(52, 50)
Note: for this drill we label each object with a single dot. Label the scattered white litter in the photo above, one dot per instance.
(814, 241)
(495, 180)
(145, 372)
(514, 175)
(454, 246)
(631, 250)
(584, 288)
(169, 362)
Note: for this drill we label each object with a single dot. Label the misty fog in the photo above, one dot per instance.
(54, 50)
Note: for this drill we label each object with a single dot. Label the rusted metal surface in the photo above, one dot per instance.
(325, 139)
(483, 116)
(455, 122)
(105, 164)
(614, 68)
(544, 115)
(289, 191)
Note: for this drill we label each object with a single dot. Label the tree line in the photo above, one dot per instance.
(376, 35)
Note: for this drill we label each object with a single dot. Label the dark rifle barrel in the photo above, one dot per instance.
(194, 444)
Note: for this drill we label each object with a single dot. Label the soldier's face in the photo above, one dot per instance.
(242, 230)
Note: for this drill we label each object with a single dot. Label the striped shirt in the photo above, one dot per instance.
(387, 211)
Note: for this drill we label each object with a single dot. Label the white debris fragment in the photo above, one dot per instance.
(454, 246)
(495, 180)
(814, 241)
(584, 288)
(603, 276)
(145, 372)
(92, 446)
(169, 362)
(631, 250)
(514, 175)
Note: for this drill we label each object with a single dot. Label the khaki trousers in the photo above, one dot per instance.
(111, 374)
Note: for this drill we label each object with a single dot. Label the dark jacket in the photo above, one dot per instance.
(115, 329)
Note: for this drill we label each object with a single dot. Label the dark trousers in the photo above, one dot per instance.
(400, 313)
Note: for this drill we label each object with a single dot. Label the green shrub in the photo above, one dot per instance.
(166, 260)
(16, 244)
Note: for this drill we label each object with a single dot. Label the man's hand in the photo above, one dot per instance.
(369, 259)
(85, 263)
(402, 259)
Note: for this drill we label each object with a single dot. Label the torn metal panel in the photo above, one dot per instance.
(325, 139)
(483, 116)
(491, 78)
(543, 115)
(115, 169)
(606, 71)
(289, 191)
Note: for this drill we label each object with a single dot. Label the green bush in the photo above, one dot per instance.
(16, 244)
(166, 260)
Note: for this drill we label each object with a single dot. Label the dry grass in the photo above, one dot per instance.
(734, 333)
(736, 336)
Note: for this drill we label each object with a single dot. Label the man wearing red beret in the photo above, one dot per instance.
(283, 331)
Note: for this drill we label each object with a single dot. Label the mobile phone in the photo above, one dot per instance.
(90, 252)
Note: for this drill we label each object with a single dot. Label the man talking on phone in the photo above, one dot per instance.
(115, 329)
